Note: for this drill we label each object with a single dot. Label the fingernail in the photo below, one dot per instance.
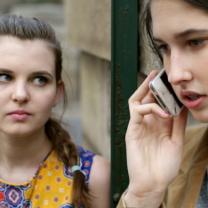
(166, 114)
(152, 75)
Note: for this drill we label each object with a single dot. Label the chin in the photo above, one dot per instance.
(201, 116)
(19, 134)
(19, 131)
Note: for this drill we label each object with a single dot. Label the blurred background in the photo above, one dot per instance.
(83, 28)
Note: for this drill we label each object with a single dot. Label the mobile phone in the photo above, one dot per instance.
(164, 94)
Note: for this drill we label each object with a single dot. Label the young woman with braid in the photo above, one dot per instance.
(40, 166)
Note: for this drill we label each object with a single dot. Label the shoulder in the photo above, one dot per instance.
(195, 137)
(195, 141)
(195, 131)
(100, 171)
(95, 166)
(99, 183)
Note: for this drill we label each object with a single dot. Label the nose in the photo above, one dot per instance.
(179, 68)
(20, 92)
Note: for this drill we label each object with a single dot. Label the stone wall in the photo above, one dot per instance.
(95, 103)
(6, 5)
(88, 26)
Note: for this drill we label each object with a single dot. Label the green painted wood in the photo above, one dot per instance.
(124, 82)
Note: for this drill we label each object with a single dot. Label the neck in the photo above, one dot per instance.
(22, 155)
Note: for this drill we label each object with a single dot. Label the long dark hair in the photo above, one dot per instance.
(147, 20)
(31, 29)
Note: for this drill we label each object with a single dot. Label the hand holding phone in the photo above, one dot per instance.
(165, 95)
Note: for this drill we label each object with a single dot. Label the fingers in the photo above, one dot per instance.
(138, 111)
(143, 90)
(142, 102)
(149, 98)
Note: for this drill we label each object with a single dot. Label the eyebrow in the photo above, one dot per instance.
(185, 34)
(43, 73)
(2, 70)
(35, 73)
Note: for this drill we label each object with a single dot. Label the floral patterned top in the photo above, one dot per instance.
(50, 188)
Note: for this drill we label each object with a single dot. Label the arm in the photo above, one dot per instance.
(154, 144)
(151, 200)
(99, 183)
(133, 202)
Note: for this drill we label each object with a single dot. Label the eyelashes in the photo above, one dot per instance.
(5, 77)
(193, 43)
(37, 80)
(196, 42)
(40, 80)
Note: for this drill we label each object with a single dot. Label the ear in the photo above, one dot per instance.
(59, 92)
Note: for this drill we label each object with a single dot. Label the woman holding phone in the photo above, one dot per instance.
(167, 163)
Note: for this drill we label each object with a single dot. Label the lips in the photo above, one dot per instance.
(192, 99)
(19, 112)
(19, 115)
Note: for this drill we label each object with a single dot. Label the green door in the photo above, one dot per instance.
(125, 66)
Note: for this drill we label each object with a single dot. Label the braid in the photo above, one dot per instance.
(67, 152)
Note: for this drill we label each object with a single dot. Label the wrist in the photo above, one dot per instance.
(143, 200)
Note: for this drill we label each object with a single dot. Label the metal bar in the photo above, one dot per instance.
(124, 82)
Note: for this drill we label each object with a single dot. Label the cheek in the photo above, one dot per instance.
(46, 101)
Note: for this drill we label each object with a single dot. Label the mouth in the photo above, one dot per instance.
(192, 99)
(19, 112)
(19, 115)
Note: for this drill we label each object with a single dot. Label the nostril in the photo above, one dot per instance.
(172, 79)
(20, 96)
(177, 75)
(176, 78)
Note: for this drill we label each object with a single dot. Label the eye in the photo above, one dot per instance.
(196, 42)
(40, 80)
(5, 77)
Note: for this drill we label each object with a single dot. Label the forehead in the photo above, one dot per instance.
(11, 42)
(17, 53)
(174, 16)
